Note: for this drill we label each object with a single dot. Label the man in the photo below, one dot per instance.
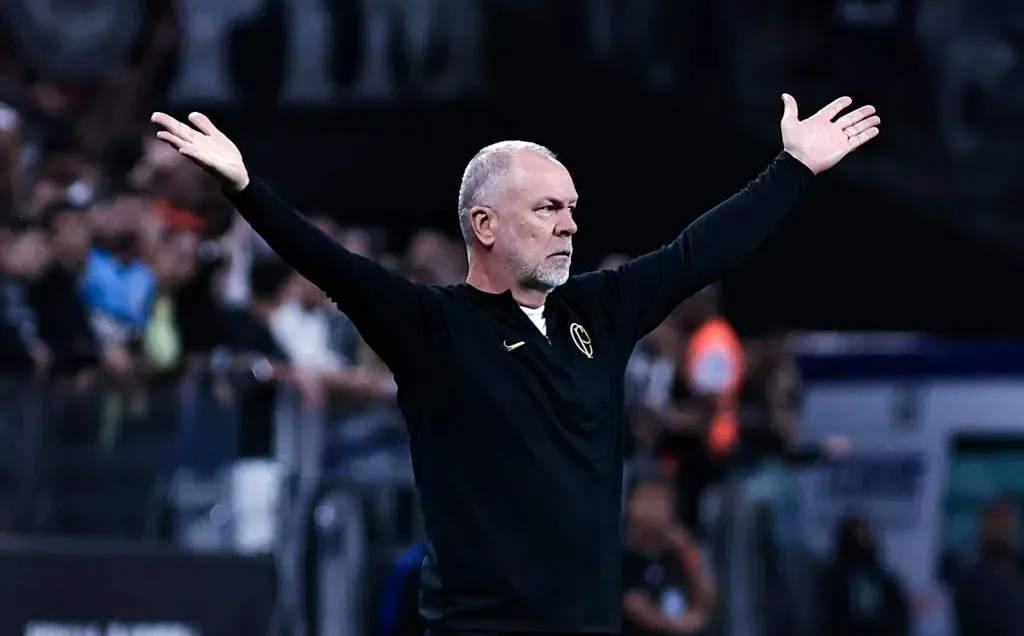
(988, 591)
(511, 383)
(668, 588)
(861, 597)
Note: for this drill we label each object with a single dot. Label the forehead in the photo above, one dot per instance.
(538, 177)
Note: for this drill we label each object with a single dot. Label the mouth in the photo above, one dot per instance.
(563, 254)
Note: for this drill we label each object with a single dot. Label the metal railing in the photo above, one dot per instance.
(162, 464)
(766, 575)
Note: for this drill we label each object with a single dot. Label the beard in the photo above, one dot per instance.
(547, 276)
(544, 274)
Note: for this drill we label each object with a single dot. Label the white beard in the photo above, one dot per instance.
(545, 275)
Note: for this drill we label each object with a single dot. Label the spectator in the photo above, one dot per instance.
(117, 287)
(433, 258)
(861, 597)
(650, 374)
(301, 324)
(700, 431)
(251, 348)
(668, 589)
(772, 391)
(989, 591)
(173, 263)
(24, 258)
(63, 319)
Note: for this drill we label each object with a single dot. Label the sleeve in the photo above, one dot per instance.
(390, 312)
(642, 292)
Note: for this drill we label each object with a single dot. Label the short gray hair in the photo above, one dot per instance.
(484, 174)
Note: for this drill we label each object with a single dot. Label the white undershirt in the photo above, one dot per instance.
(536, 316)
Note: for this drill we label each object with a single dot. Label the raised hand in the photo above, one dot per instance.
(206, 146)
(821, 141)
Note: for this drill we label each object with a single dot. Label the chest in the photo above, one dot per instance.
(571, 375)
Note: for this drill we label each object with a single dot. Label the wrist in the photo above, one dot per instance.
(811, 165)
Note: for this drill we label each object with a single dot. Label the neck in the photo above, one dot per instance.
(487, 280)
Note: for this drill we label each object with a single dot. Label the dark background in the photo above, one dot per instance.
(913, 232)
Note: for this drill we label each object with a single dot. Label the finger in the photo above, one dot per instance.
(203, 123)
(191, 153)
(172, 125)
(832, 111)
(170, 138)
(861, 126)
(859, 140)
(790, 112)
(858, 115)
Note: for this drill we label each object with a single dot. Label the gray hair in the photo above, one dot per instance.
(485, 172)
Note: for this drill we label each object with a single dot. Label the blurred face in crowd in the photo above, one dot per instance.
(164, 173)
(357, 241)
(117, 222)
(435, 258)
(72, 236)
(651, 507)
(64, 176)
(26, 255)
(174, 258)
(534, 225)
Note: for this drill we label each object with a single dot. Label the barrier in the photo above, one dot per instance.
(64, 587)
(320, 536)
(766, 576)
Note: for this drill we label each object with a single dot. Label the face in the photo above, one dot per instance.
(534, 224)
(174, 259)
(651, 506)
(71, 235)
(27, 255)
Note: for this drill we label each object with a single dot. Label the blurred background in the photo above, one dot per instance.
(195, 442)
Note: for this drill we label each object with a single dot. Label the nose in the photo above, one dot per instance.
(566, 225)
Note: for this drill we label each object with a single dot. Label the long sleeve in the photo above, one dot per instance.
(643, 292)
(390, 312)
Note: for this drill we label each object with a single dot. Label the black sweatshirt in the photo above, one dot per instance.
(517, 448)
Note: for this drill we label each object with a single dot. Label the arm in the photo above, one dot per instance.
(388, 310)
(646, 289)
(641, 610)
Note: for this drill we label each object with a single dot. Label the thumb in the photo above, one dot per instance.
(789, 109)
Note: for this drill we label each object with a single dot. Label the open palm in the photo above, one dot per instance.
(206, 146)
(821, 140)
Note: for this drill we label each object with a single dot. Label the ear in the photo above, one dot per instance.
(483, 220)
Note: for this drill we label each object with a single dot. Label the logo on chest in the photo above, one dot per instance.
(581, 339)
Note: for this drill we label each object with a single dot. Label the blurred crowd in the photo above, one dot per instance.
(123, 269)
